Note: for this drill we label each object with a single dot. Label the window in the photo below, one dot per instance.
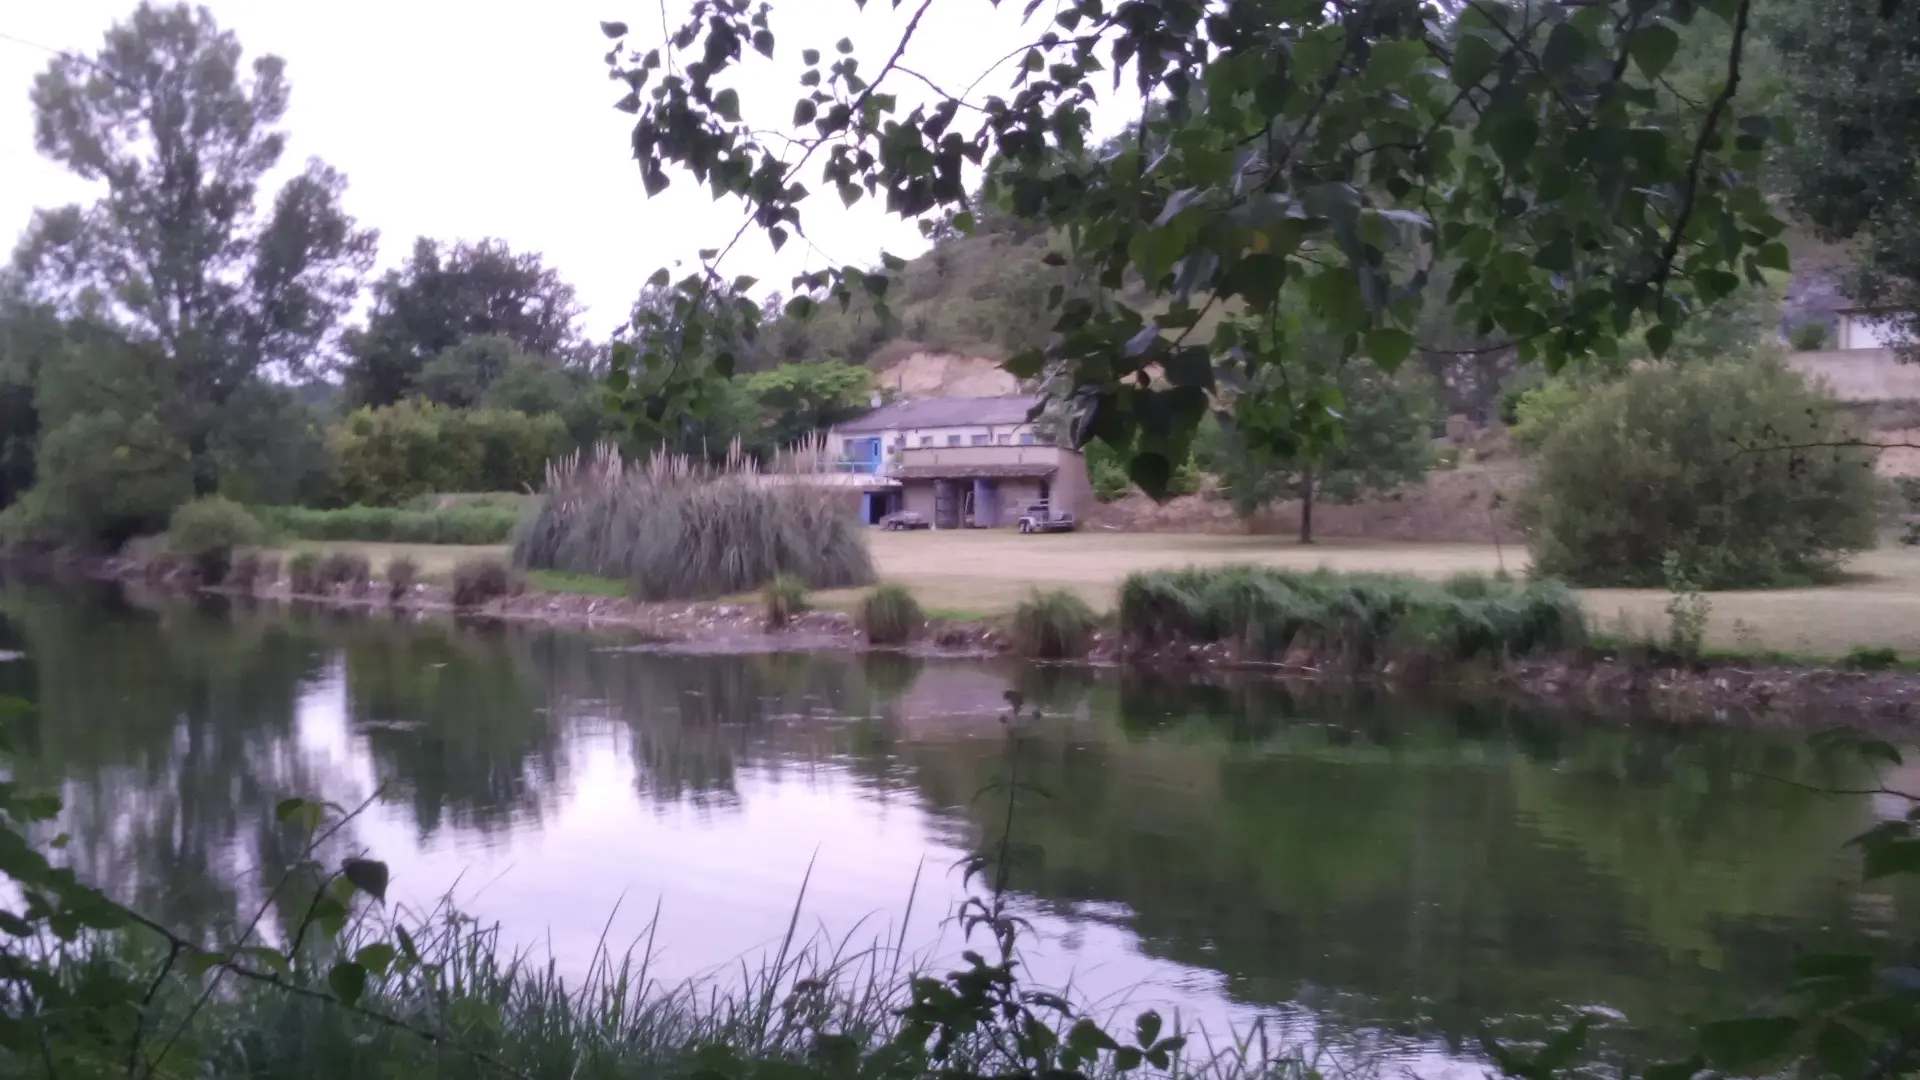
(983, 440)
(953, 440)
(926, 440)
(1026, 438)
(1006, 438)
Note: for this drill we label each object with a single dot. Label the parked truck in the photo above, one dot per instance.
(1041, 518)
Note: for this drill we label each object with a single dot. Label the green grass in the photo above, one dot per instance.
(562, 581)
(467, 524)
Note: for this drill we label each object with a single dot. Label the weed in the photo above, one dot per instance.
(1866, 658)
(303, 573)
(252, 571)
(403, 572)
(785, 597)
(207, 531)
(1053, 625)
(1687, 608)
(343, 571)
(477, 581)
(889, 615)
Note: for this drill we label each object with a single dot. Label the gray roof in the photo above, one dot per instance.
(946, 412)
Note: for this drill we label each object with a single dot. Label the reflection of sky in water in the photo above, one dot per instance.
(724, 879)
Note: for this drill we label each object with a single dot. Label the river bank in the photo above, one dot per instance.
(1613, 679)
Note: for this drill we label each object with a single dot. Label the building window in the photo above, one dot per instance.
(983, 440)
(926, 440)
(1026, 438)
(953, 440)
(1006, 439)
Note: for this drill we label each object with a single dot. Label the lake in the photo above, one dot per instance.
(1379, 876)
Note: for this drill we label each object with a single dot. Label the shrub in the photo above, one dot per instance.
(1363, 617)
(680, 530)
(1719, 463)
(206, 532)
(253, 570)
(386, 456)
(343, 570)
(1541, 410)
(1053, 625)
(1867, 658)
(476, 581)
(403, 572)
(1809, 336)
(459, 524)
(785, 597)
(889, 615)
(303, 573)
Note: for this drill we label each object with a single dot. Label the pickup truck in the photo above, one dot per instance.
(1040, 518)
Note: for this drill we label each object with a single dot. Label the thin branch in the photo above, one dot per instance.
(1720, 102)
(140, 1025)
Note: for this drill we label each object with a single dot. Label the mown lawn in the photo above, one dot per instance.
(978, 573)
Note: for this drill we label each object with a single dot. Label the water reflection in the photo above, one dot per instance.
(1360, 865)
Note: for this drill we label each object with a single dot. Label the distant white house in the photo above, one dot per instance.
(1865, 328)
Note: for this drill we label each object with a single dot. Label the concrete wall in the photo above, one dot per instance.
(1861, 374)
(987, 455)
(895, 440)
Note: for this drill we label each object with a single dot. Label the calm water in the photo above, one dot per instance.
(1381, 876)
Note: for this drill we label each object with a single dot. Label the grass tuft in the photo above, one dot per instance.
(303, 573)
(889, 615)
(477, 581)
(403, 573)
(1053, 625)
(343, 571)
(785, 598)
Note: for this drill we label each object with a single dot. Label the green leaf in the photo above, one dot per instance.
(727, 104)
(804, 111)
(348, 980)
(376, 957)
(1473, 58)
(844, 46)
(810, 57)
(1653, 48)
(1738, 1044)
(1566, 46)
(1389, 347)
(1514, 138)
(614, 29)
(1147, 1028)
(1774, 257)
(288, 808)
(763, 43)
(268, 959)
(1659, 339)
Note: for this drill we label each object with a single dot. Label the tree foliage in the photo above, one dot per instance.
(1853, 69)
(387, 456)
(178, 255)
(1737, 469)
(1324, 156)
(444, 296)
(1387, 425)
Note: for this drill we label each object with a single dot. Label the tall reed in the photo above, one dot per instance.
(681, 529)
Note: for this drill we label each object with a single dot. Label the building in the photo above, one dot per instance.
(1864, 364)
(959, 462)
(1864, 328)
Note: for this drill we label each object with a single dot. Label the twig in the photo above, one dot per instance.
(140, 1025)
(1720, 102)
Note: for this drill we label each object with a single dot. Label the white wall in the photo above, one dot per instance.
(1868, 332)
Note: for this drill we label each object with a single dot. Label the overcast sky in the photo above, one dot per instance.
(466, 120)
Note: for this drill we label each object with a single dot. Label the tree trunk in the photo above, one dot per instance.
(1306, 508)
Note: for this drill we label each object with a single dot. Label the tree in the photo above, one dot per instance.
(797, 400)
(443, 297)
(176, 255)
(1853, 69)
(1324, 155)
(1386, 440)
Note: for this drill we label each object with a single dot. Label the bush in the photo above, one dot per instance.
(253, 570)
(303, 573)
(1809, 336)
(1542, 409)
(1362, 617)
(889, 615)
(1053, 625)
(403, 572)
(785, 598)
(386, 456)
(206, 532)
(680, 530)
(477, 581)
(1867, 658)
(1718, 463)
(343, 570)
(459, 524)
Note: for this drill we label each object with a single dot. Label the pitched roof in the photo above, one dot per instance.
(946, 412)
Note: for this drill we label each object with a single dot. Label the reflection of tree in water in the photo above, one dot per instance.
(458, 728)
(695, 721)
(1422, 871)
(173, 734)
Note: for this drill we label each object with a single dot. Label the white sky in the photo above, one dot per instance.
(467, 120)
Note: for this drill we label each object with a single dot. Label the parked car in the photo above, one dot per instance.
(903, 520)
(1040, 518)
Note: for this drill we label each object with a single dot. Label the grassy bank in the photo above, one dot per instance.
(469, 1007)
